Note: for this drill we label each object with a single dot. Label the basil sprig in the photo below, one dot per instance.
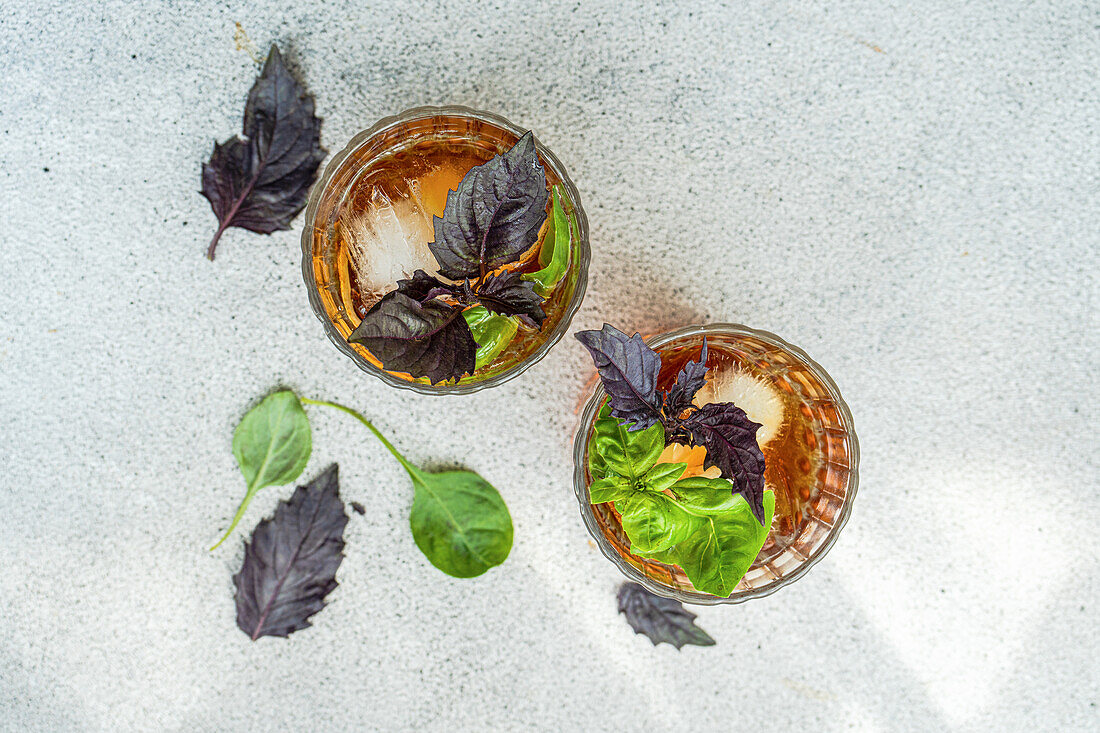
(697, 523)
(490, 221)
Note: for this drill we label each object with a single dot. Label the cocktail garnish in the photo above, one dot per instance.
(729, 436)
(698, 523)
(429, 339)
(489, 222)
(629, 370)
(494, 216)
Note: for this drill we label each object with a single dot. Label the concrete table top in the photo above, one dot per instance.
(910, 192)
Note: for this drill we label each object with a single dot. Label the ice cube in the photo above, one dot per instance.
(760, 400)
(389, 240)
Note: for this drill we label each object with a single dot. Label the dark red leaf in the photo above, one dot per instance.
(661, 619)
(261, 183)
(730, 439)
(628, 369)
(510, 295)
(422, 287)
(428, 339)
(291, 561)
(689, 381)
(494, 216)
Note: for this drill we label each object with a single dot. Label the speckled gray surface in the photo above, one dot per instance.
(908, 191)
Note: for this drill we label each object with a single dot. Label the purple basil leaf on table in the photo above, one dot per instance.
(689, 381)
(510, 295)
(261, 183)
(290, 564)
(494, 216)
(730, 439)
(628, 369)
(423, 287)
(428, 339)
(661, 619)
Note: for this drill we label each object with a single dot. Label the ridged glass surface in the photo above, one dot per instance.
(321, 263)
(816, 509)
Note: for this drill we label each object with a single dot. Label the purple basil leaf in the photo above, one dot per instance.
(629, 370)
(689, 381)
(510, 295)
(290, 563)
(730, 439)
(494, 216)
(424, 339)
(659, 618)
(423, 287)
(261, 183)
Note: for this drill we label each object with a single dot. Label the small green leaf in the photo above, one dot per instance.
(653, 522)
(709, 495)
(492, 332)
(663, 476)
(597, 466)
(459, 522)
(554, 253)
(272, 444)
(625, 452)
(608, 489)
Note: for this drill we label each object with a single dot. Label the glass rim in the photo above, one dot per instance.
(333, 166)
(580, 485)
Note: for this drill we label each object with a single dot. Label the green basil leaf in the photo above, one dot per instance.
(653, 522)
(709, 495)
(722, 546)
(611, 488)
(491, 332)
(272, 444)
(554, 253)
(663, 476)
(625, 452)
(458, 519)
(460, 522)
(597, 466)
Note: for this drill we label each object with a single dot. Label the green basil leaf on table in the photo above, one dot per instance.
(272, 444)
(458, 520)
